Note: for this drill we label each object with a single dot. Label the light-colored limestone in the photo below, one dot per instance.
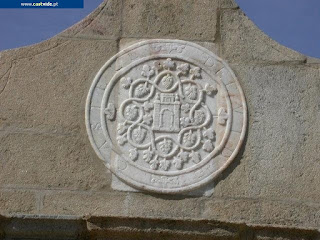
(228, 4)
(57, 77)
(84, 204)
(242, 41)
(103, 23)
(281, 154)
(12, 202)
(48, 165)
(311, 60)
(48, 160)
(9, 56)
(263, 211)
(180, 19)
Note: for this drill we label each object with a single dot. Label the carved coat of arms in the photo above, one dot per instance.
(172, 113)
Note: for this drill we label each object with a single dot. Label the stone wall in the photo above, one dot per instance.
(48, 167)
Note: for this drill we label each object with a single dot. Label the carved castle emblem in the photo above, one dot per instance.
(164, 120)
(166, 114)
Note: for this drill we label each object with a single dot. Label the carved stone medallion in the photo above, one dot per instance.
(166, 115)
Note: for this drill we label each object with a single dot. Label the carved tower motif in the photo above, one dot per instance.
(167, 115)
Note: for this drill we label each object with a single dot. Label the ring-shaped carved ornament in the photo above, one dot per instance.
(166, 116)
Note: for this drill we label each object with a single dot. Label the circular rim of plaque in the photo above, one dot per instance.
(176, 126)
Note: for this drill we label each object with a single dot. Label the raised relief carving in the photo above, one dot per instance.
(167, 47)
(222, 116)
(170, 121)
(110, 111)
(165, 114)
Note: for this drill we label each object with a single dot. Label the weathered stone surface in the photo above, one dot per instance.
(37, 159)
(157, 206)
(280, 159)
(176, 19)
(292, 234)
(57, 79)
(103, 23)
(242, 41)
(211, 46)
(8, 56)
(263, 212)
(159, 229)
(4, 75)
(67, 227)
(119, 204)
(13, 202)
(311, 60)
(288, 213)
(85, 204)
(48, 165)
(41, 227)
(228, 4)
(236, 210)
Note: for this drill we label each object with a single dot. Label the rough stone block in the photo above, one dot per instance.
(4, 75)
(280, 158)
(242, 41)
(43, 227)
(45, 160)
(311, 60)
(234, 210)
(13, 202)
(228, 4)
(48, 89)
(262, 212)
(163, 206)
(180, 19)
(8, 56)
(289, 234)
(159, 229)
(103, 23)
(275, 179)
(84, 204)
(290, 213)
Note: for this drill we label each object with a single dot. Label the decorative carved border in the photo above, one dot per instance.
(109, 108)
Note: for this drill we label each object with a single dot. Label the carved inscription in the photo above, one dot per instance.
(165, 181)
(167, 47)
(167, 115)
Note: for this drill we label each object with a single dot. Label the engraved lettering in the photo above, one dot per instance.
(166, 118)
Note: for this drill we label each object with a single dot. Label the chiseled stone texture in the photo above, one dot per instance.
(49, 167)
(8, 56)
(103, 227)
(179, 19)
(228, 4)
(58, 80)
(48, 160)
(103, 23)
(242, 41)
(280, 157)
(12, 202)
(84, 203)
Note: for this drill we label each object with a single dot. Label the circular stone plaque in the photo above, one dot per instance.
(166, 115)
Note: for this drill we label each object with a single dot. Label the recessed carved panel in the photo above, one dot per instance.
(161, 115)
